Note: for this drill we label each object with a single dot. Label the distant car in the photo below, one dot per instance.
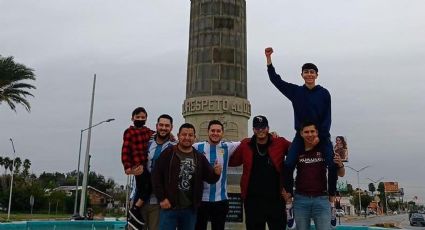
(340, 212)
(417, 219)
(371, 212)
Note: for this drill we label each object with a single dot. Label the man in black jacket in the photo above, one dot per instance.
(178, 178)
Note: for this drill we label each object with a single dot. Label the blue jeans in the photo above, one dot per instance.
(182, 219)
(312, 207)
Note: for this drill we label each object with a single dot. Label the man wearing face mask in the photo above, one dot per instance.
(134, 157)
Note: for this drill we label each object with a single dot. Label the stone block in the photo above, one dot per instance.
(224, 55)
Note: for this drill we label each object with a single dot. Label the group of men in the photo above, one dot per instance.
(181, 184)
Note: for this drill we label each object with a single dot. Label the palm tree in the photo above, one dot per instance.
(26, 165)
(1, 161)
(372, 188)
(12, 88)
(6, 164)
(18, 164)
(2, 178)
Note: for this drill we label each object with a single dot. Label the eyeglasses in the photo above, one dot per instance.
(260, 128)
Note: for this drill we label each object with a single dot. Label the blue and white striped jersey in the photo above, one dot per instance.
(154, 151)
(220, 153)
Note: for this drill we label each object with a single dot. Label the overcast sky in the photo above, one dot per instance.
(370, 54)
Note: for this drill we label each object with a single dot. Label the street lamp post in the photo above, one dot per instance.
(87, 156)
(11, 180)
(358, 183)
(78, 164)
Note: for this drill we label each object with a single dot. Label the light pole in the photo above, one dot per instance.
(78, 165)
(358, 183)
(11, 180)
(87, 156)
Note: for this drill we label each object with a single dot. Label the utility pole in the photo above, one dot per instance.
(358, 183)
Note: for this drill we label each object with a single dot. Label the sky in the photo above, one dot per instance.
(370, 55)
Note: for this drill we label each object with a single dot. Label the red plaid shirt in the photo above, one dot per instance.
(135, 146)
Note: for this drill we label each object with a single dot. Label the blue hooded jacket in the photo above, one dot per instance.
(312, 105)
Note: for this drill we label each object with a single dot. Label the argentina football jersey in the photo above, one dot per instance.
(219, 153)
(154, 151)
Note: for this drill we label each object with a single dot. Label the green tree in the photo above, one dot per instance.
(366, 199)
(372, 188)
(2, 178)
(58, 199)
(382, 196)
(27, 166)
(350, 189)
(13, 88)
(7, 164)
(393, 204)
(17, 166)
(51, 180)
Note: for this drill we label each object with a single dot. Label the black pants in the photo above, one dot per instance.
(258, 212)
(143, 186)
(212, 211)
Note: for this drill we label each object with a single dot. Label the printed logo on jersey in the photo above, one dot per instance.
(317, 157)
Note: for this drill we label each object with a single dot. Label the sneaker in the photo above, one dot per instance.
(333, 217)
(135, 219)
(290, 216)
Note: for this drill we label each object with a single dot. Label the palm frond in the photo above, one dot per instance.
(13, 89)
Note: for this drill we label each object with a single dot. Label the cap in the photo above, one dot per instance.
(260, 122)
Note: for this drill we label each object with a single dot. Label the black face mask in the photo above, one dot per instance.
(139, 123)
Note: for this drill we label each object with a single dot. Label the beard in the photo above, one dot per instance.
(214, 142)
(166, 136)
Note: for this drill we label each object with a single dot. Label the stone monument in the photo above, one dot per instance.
(216, 86)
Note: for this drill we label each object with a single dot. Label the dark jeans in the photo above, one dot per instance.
(143, 186)
(259, 211)
(215, 212)
(182, 219)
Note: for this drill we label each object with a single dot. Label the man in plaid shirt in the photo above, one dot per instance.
(134, 158)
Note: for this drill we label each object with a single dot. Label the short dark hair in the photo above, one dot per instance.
(308, 123)
(309, 66)
(187, 126)
(215, 122)
(139, 110)
(166, 116)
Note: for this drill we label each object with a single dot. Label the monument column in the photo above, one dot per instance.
(216, 86)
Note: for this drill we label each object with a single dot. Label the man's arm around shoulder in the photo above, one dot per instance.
(237, 157)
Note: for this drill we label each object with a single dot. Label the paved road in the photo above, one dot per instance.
(401, 221)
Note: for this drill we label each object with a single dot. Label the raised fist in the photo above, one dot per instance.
(268, 51)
